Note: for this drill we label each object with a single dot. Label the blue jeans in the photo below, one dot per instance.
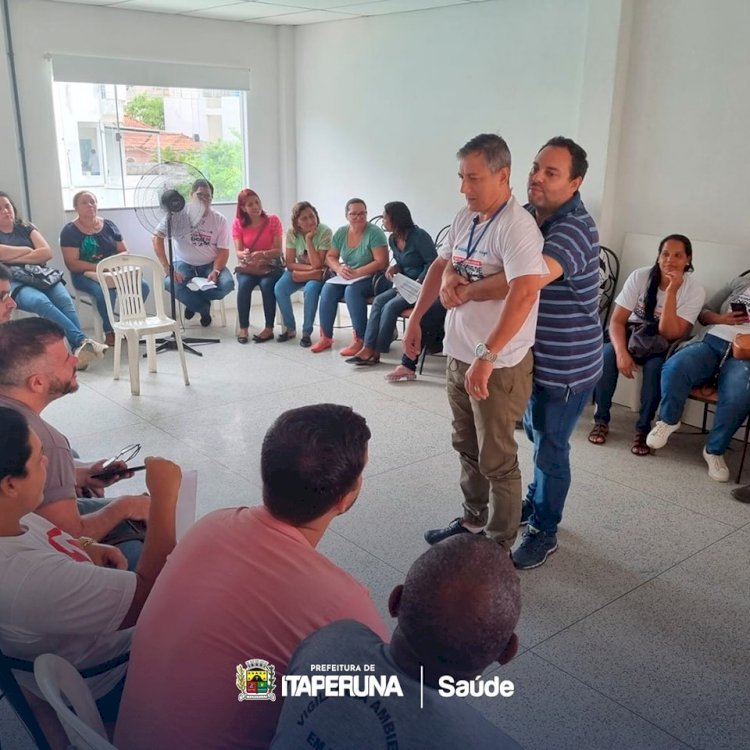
(54, 304)
(694, 366)
(200, 302)
(245, 284)
(94, 288)
(386, 308)
(549, 421)
(356, 296)
(285, 288)
(650, 392)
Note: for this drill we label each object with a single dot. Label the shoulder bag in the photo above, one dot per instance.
(36, 276)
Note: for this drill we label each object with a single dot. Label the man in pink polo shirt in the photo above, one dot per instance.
(247, 584)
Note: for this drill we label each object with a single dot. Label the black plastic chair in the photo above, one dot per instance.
(609, 273)
(377, 221)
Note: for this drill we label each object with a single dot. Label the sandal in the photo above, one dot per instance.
(640, 447)
(598, 436)
(401, 373)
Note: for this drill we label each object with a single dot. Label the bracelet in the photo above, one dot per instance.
(86, 541)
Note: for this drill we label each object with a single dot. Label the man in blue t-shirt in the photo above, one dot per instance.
(568, 345)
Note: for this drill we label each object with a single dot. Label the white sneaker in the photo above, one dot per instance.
(717, 467)
(96, 347)
(658, 437)
(84, 355)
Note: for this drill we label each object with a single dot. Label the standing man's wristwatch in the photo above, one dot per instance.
(482, 351)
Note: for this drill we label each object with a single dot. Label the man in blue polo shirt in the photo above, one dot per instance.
(568, 346)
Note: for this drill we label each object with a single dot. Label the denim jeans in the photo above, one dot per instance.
(245, 284)
(285, 288)
(650, 391)
(549, 421)
(356, 296)
(200, 302)
(54, 304)
(694, 366)
(386, 308)
(94, 288)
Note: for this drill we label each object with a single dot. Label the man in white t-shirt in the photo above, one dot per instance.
(66, 595)
(488, 342)
(201, 240)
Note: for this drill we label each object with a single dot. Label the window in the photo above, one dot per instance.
(109, 135)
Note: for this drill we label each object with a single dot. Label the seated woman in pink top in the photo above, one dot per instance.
(257, 240)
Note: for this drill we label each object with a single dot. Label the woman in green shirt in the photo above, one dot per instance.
(359, 257)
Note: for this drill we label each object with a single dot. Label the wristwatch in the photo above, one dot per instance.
(482, 351)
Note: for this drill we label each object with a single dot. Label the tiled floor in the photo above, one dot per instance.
(634, 634)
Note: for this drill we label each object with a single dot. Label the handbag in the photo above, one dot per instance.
(36, 276)
(314, 274)
(260, 266)
(741, 346)
(645, 340)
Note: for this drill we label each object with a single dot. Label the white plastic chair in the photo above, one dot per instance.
(63, 687)
(126, 273)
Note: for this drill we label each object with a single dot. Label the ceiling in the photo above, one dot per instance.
(275, 12)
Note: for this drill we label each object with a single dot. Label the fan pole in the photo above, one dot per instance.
(171, 267)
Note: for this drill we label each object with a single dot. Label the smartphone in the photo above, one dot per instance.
(739, 307)
(113, 471)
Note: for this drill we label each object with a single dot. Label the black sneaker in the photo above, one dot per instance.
(305, 341)
(433, 536)
(527, 508)
(534, 549)
(189, 314)
(206, 320)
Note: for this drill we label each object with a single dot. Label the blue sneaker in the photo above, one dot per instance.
(534, 549)
(527, 508)
(433, 536)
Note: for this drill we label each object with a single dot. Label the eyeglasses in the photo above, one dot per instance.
(357, 213)
(128, 452)
(4, 296)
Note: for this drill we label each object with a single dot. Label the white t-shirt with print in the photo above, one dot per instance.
(727, 332)
(199, 244)
(53, 599)
(690, 297)
(511, 243)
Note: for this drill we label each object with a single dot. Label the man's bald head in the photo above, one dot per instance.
(460, 604)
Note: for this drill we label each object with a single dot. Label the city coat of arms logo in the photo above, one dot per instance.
(256, 681)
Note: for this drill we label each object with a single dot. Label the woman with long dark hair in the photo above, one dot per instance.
(666, 295)
(413, 251)
(257, 240)
(307, 242)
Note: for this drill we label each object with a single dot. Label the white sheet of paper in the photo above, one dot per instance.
(186, 502)
(344, 282)
(199, 284)
(406, 287)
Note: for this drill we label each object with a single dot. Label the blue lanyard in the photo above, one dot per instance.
(471, 250)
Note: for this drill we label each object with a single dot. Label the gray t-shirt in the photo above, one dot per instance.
(61, 470)
(375, 723)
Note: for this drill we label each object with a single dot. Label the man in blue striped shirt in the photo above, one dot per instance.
(568, 345)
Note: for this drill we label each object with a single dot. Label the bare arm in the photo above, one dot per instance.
(617, 335)
(671, 325)
(121, 247)
(163, 481)
(39, 252)
(72, 258)
(412, 339)
(64, 514)
(161, 253)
